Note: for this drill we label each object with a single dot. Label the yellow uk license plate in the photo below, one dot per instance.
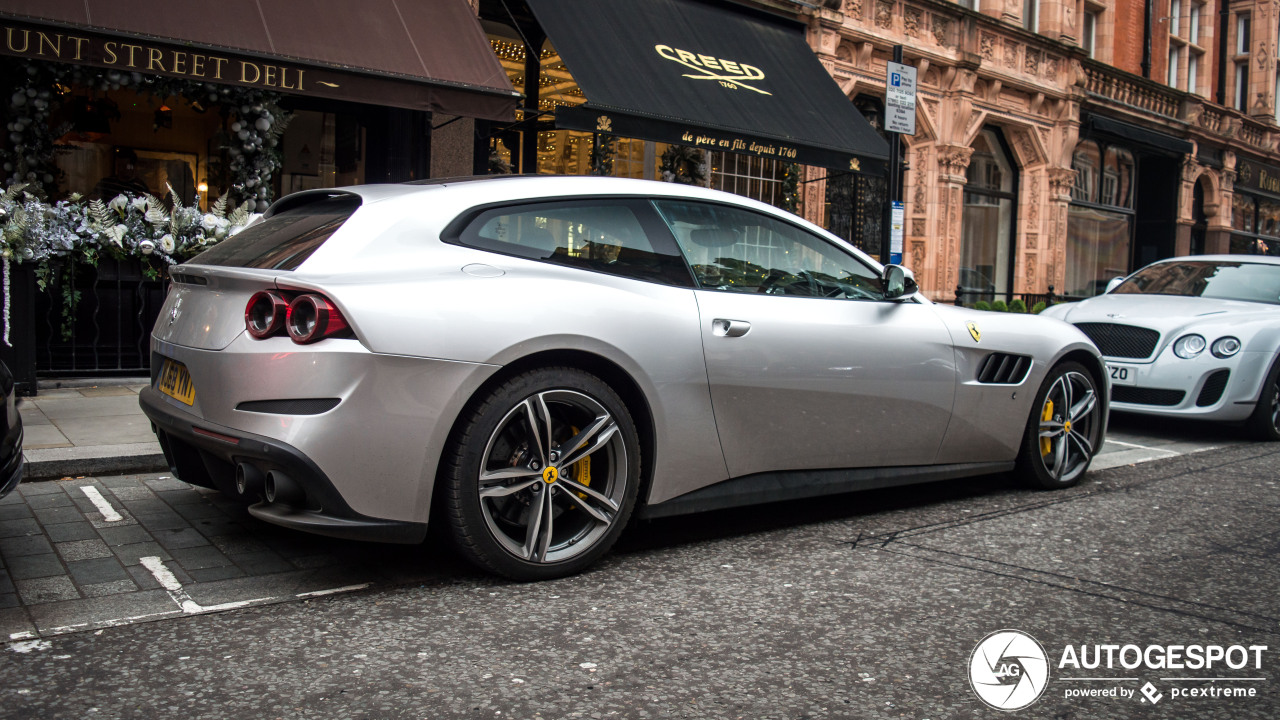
(175, 382)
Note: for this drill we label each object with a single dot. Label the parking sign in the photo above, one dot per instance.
(900, 99)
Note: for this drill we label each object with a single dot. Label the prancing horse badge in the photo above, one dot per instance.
(974, 331)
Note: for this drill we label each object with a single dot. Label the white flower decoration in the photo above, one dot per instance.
(118, 203)
(166, 243)
(209, 221)
(139, 204)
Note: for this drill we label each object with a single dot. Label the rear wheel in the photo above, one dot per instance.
(543, 475)
(1064, 430)
(1264, 423)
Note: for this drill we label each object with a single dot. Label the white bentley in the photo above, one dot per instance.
(1195, 337)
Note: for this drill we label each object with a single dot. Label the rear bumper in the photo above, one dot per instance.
(206, 454)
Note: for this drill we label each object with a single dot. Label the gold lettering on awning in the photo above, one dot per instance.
(731, 74)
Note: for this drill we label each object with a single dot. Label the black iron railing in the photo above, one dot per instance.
(104, 328)
(969, 296)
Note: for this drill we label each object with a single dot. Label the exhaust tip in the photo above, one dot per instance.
(249, 480)
(281, 488)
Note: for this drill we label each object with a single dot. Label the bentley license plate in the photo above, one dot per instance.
(175, 382)
(1122, 374)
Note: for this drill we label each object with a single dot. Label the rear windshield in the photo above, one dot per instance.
(285, 240)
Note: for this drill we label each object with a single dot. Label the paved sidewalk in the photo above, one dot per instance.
(88, 427)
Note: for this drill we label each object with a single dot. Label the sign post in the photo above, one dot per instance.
(900, 119)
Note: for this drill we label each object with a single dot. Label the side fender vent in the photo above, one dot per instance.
(1004, 369)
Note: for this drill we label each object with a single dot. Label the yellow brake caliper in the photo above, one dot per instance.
(1046, 444)
(581, 470)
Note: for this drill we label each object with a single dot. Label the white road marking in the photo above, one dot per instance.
(30, 645)
(109, 513)
(334, 591)
(170, 583)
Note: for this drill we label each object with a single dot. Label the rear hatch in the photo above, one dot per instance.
(205, 306)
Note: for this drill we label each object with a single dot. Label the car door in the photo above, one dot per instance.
(809, 366)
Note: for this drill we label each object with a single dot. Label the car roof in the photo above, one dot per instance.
(1263, 259)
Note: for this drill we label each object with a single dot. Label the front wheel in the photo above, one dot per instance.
(1264, 423)
(543, 475)
(1064, 431)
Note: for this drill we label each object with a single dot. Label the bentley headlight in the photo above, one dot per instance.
(1189, 346)
(1225, 347)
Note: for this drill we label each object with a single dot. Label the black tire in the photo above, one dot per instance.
(1058, 447)
(514, 506)
(1264, 423)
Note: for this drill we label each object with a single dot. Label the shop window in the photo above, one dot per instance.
(754, 177)
(988, 229)
(1244, 209)
(1100, 218)
(1087, 162)
(854, 207)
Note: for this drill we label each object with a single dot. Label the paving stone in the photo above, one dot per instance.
(19, 527)
(218, 527)
(146, 506)
(9, 600)
(83, 614)
(36, 566)
(14, 499)
(98, 570)
(83, 550)
(177, 539)
(215, 574)
(124, 534)
(46, 590)
(66, 532)
(6, 582)
(40, 502)
(238, 544)
(262, 563)
(198, 512)
(12, 547)
(109, 588)
(166, 521)
(143, 578)
(165, 483)
(132, 554)
(121, 481)
(54, 515)
(185, 496)
(132, 492)
(30, 490)
(14, 511)
(199, 558)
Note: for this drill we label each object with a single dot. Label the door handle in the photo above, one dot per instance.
(729, 328)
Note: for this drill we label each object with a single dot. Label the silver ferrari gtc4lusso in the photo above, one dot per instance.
(534, 360)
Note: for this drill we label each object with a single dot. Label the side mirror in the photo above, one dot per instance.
(899, 282)
(1114, 283)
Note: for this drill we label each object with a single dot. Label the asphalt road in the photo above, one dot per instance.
(867, 605)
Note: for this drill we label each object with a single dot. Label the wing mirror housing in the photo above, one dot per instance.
(1114, 283)
(899, 282)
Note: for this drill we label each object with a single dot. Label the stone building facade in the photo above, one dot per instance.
(1062, 142)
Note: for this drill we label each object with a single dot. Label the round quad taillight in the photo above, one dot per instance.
(312, 317)
(264, 315)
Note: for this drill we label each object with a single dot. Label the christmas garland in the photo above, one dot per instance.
(38, 89)
(683, 165)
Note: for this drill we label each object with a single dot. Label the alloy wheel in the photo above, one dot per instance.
(1067, 420)
(553, 476)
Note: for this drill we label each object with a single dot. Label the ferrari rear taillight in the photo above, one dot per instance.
(264, 315)
(305, 318)
(312, 317)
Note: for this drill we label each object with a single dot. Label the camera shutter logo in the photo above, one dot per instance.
(1008, 670)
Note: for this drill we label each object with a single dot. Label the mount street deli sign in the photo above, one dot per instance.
(58, 44)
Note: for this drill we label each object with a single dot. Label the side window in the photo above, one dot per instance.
(604, 236)
(741, 251)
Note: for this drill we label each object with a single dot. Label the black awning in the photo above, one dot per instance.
(425, 55)
(706, 75)
(1153, 139)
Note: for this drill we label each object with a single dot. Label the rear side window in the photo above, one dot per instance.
(286, 239)
(607, 236)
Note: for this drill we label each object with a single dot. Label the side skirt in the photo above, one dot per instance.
(797, 485)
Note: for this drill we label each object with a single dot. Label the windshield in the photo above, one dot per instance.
(1251, 282)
